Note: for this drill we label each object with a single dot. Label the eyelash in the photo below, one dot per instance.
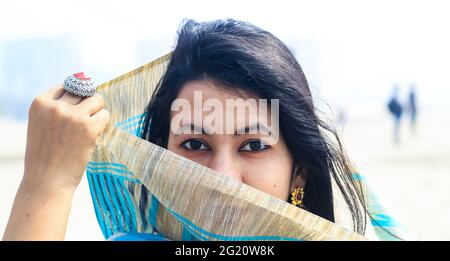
(186, 143)
(266, 147)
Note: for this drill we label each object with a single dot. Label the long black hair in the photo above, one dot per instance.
(240, 55)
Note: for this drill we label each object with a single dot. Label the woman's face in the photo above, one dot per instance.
(245, 157)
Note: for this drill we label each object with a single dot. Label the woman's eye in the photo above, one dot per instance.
(194, 145)
(255, 145)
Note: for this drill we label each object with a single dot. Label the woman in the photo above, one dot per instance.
(232, 59)
(221, 60)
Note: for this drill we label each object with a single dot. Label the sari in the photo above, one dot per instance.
(141, 191)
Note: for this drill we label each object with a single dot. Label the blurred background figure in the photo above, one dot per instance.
(396, 110)
(341, 117)
(412, 107)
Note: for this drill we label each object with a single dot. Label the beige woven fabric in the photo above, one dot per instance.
(191, 197)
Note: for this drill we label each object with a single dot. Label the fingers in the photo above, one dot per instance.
(100, 120)
(70, 98)
(91, 105)
(84, 105)
(54, 93)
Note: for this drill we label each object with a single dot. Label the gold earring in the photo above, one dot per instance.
(297, 197)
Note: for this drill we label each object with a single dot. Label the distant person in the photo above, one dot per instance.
(396, 110)
(412, 107)
(342, 117)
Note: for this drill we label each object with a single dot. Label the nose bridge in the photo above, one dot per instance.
(225, 162)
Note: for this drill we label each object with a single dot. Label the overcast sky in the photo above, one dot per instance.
(347, 48)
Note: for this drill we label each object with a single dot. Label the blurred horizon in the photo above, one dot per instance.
(352, 53)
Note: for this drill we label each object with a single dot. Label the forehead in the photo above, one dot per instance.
(221, 109)
(210, 89)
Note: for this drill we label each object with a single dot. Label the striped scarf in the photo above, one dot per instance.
(141, 191)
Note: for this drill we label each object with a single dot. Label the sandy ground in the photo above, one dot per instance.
(412, 178)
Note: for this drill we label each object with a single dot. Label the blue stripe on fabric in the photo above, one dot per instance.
(131, 119)
(108, 225)
(194, 233)
(153, 213)
(122, 179)
(109, 165)
(106, 173)
(186, 235)
(187, 222)
(130, 204)
(104, 189)
(138, 237)
(118, 204)
(95, 198)
(132, 125)
(110, 169)
(128, 199)
(136, 132)
(357, 176)
(132, 128)
(104, 163)
(383, 220)
(135, 128)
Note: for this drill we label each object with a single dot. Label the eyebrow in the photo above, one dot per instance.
(193, 128)
(252, 129)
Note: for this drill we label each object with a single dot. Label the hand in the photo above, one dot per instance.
(61, 137)
(62, 132)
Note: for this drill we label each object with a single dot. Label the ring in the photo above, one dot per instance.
(79, 85)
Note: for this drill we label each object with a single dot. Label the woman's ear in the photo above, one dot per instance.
(299, 177)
